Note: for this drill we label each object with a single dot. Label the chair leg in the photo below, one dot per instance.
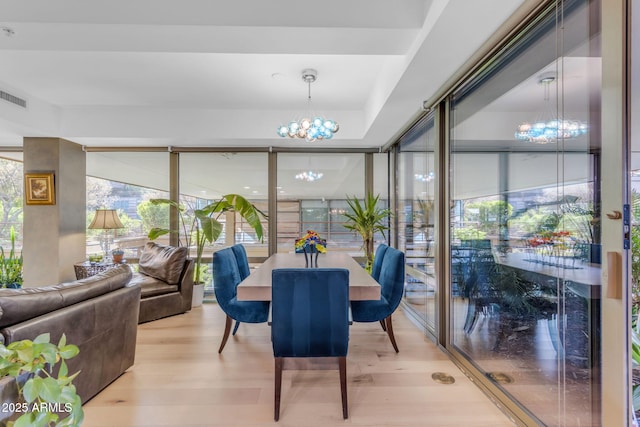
(227, 330)
(342, 362)
(235, 328)
(384, 327)
(390, 333)
(278, 388)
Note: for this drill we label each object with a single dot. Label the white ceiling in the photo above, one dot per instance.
(220, 73)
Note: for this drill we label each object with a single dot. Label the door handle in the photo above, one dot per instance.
(614, 275)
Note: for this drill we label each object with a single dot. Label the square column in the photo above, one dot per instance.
(55, 235)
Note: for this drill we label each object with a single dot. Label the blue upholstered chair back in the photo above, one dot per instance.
(377, 261)
(310, 312)
(391, 281)
(226, 277)
(242, 260)
(392, 278)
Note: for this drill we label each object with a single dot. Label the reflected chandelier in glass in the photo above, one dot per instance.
(549, 129)
(307, 128)
(309, 176)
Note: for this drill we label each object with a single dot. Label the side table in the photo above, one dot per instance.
(87, 269)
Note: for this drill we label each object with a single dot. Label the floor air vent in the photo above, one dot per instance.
(13, 99)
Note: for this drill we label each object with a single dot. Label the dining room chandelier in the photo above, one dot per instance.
(549, 129)
(311, 127)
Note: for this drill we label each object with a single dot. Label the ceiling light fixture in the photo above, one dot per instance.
(308, 128)
(549, 129)
(309, 176)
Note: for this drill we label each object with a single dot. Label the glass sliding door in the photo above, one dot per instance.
(206, 177)
(634, 200)
(312, 191)
(126, 181)
(524, 221)
(11, 199)
(415, 219)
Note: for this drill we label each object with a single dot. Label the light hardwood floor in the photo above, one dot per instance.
(179, 379)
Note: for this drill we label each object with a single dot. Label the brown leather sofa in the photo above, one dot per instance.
(165, 276)
(99, 314)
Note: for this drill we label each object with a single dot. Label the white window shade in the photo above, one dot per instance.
(478, 175)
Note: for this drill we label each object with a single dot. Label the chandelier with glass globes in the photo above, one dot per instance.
(308, 128)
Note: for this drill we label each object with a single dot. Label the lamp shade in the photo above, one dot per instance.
(105, 219)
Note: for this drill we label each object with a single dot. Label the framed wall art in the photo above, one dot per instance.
(39, 189)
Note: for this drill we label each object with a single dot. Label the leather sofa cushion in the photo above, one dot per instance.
(17, 305)
(162, 262)
(150, 286)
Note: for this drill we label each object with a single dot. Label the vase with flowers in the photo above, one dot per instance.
(311, 243)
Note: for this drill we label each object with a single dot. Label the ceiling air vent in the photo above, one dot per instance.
(13, 99)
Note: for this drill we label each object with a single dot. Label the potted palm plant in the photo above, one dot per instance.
(10, 265)
(367, 219)
(204, 227)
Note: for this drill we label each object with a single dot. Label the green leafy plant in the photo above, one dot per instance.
(635, 354)
(42, 397)
(579, 218)
(423, 214)
(635, 337)
(489, 215)
(204, 226)
(468, 233)
(635, 294)
(11, 265)
(636, 396)
(635, 265)
(635, 249)
(366, 219)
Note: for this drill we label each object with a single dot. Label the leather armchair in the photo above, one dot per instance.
(165, 276)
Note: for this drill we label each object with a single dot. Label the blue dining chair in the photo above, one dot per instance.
(377, 261)
(310, 318)
(242, 260)
(391, 281)
(243, 268)
(375, 270)
(226, 277)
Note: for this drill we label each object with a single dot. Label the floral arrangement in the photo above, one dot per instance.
(557, 238)
(312, 238)
(549, 247)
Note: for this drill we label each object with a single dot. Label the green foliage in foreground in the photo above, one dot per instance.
(42, 396)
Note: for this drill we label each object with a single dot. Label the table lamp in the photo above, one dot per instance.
(105, 219)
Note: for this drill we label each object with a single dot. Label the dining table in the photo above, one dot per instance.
(257, 286)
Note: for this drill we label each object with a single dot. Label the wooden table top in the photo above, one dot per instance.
(257, 287)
